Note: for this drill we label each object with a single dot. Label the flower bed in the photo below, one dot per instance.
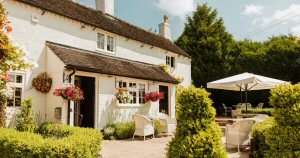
(52, 141)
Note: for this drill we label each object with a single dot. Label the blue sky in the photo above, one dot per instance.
(256, 19)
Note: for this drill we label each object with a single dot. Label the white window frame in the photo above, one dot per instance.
(106, 44)
(135, 89)
(14, 85)
(169, 61)
(98, 40)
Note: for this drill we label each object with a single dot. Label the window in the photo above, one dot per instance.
(137, 90)
(133, 93)
(170, 61)
(110, 44)
(16, 84)
(142, 93)
(100, 41)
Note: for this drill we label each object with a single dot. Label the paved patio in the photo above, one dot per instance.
(151, 148)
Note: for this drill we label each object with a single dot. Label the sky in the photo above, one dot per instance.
(244, 19)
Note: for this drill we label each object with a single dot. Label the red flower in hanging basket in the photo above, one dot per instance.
(71, 93)
(154, 96)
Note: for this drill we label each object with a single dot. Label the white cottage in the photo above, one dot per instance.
(98, 52)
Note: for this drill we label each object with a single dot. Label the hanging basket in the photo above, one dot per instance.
(42, 82)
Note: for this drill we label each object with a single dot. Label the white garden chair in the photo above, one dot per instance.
(227, 109)
(260, 105)
(167, 124)
(238, 134)
(143, 126)
(261, 117)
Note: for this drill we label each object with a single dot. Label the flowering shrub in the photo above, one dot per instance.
(154, 96)
(70, 92)
(123, 95)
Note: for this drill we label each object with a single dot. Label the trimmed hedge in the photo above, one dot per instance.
(196, 134)
(280, 136)
(75, 142)
(267, 111)
(259, 145)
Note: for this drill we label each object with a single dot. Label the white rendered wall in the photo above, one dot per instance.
(55, 28)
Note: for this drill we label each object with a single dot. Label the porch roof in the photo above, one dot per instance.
(90, 61)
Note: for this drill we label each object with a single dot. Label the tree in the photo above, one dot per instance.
(206, 40)
(12, 58)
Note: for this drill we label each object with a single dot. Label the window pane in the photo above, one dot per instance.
(110, 44)
(18, 92)
(133, 101)
(12, 78)
(19, 79)
(132, 85)
(17, 101)
(172, 62)
(10, 102)
(100, 41)
(142, 93)
(167, 60)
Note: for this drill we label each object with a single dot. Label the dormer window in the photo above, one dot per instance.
(105, 42)
(170, 61)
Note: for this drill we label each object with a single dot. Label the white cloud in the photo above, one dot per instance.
(291, 13)
(296, 30)
(253, 9)
(178, 8)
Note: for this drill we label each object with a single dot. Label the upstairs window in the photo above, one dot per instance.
(16, 83)
(110, 44)
(170, 61)
(100, 41)
(106, 43)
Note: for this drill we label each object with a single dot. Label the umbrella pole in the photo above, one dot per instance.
(246, 99)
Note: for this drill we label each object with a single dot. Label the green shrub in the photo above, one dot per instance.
(259, 138)
(80, 142)
(157, 127)
(52, 130)
(25, 119)
(196, 134)
(279, 137)
(124, 130)
(267, 111)
(3, 103)
(109, 133)
(286, 101)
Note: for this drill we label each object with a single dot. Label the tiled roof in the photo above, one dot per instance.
(99, 63)
(109, 23)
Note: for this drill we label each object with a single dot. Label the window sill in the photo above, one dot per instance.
(130, 105)
(105, 51)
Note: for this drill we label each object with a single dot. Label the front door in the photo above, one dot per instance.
(84, 110)
(164, 103)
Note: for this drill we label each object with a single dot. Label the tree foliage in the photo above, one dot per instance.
(206, 40)
(25, 119)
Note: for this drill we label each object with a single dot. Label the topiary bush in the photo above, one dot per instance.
(157, 127)
(267, 111)
(109, 132)
(79, 142)
(124, 130)
(25, 119)
(280, 137)
(196, 134)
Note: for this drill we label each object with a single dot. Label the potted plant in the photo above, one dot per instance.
(70, 92)
(123, 95)
(154, 96)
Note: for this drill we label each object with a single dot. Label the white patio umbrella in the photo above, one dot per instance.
(245, 82)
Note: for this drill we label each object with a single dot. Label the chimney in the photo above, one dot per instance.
(106, 6)
(165, 28)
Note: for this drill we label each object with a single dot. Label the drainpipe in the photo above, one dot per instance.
(69, 102)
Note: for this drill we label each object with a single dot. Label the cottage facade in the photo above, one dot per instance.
(98, 52)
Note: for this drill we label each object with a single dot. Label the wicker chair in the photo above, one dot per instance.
(143, 126)
(238, 134)
(168, 125)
